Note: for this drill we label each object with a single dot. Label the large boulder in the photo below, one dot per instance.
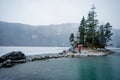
(12, 57)
(7, 63)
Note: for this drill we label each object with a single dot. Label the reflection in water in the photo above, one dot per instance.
(98, 69)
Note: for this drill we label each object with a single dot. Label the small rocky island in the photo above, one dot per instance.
(16, 57)
(70, 54)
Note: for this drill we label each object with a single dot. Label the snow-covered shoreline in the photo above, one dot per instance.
(68, 54)
(65, 54)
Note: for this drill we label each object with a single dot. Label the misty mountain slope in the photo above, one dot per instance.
(15, 34)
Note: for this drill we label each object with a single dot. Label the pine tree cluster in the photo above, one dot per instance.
(90, 33)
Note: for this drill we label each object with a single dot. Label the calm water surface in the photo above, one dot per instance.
(87, 68)
(32, 50)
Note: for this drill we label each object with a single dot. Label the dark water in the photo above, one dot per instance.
(87, 68)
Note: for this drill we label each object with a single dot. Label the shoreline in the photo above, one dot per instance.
(68, 54)
(65, 54)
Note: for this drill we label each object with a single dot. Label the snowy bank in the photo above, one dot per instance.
(68, 54)
(64, 54)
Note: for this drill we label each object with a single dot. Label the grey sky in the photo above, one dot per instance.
(44, 12)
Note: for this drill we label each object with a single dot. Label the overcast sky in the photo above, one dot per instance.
(45, 12)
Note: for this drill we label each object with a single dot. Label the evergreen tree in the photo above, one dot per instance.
(92, 23)
(96, 40)
(102, 40)
(108, 33)
(81, 31)
(105, 35)
(72, 39)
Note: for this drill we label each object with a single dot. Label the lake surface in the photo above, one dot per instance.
(86, 68)
(32, 50)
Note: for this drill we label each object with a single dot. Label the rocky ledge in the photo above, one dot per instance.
(12, 58)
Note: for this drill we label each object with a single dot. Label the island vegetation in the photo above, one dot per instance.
(91, 33)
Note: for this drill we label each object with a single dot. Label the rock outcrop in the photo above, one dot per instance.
(12, 58)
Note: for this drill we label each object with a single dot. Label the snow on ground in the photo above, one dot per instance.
(88, 53)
